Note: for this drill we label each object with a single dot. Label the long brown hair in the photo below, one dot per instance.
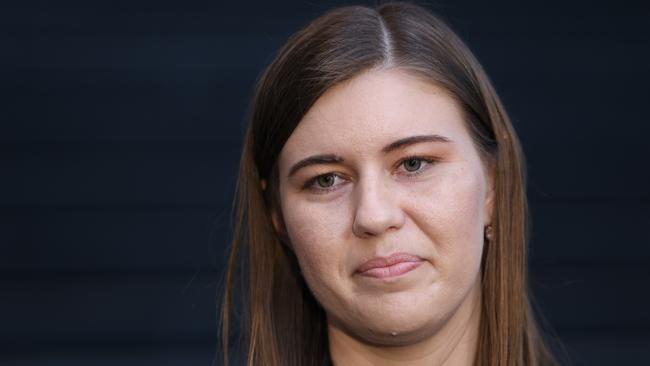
(284, 324)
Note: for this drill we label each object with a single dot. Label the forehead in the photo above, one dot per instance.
(371, 110)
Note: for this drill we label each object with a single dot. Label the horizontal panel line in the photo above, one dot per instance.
(599, 331)
(635, 263)
(123, 342)
(81, 146)
(535, 199)
(94, 274)
(113, 207)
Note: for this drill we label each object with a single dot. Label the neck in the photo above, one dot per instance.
(454, 344)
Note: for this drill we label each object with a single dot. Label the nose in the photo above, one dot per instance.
(377, 210)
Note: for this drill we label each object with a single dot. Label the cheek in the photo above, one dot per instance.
(449, 211)
(316, 232)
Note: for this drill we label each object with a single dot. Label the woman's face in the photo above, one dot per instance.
(384, 199)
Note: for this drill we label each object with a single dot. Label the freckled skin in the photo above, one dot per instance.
(377, 209)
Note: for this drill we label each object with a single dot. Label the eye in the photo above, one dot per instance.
(326, 180)
(412, 164)
(324, 183)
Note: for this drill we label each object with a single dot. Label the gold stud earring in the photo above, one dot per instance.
(489, 232)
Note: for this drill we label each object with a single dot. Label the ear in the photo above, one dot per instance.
(280, 228)
(277, 220)
(278, 223)
(488, 209)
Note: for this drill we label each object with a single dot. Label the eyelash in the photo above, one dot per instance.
(311, 183)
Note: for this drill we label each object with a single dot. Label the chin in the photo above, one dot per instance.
(396, 321)
(386, 333)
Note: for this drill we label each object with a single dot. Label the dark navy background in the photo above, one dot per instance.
(120, 130)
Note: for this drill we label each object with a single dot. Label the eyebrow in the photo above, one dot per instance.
(329, 159)
(401, 143)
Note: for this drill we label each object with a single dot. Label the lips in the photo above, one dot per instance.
(391, 266)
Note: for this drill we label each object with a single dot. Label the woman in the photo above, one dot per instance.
(381, 211)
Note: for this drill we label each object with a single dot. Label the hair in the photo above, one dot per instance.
(284, 324)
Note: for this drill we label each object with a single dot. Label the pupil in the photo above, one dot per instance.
(412, 165)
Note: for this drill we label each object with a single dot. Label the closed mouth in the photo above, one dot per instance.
(391, 266)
